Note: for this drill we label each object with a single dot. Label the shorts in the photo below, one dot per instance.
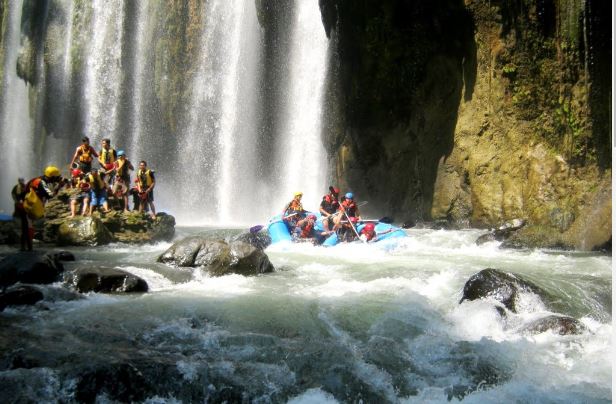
(80, 196)
(98, 198)
(85, 167)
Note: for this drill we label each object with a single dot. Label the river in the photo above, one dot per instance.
(353, 323)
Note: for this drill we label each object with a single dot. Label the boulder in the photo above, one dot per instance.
(105, 280)
(260, 240)
(562, 325)
(83, 231)
(9, 232)
(19, 295)
(30, 267)
(537, 236)
(217, 256)
(501, 286)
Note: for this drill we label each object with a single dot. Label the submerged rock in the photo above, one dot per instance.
(105, 280)
(562, 325)
(19, 296)
(502, 286)
(502, 233)
(218, 257)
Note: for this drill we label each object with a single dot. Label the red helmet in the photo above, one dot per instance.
(353, 220)
(369, 226)
(76, 172)
(312, 217)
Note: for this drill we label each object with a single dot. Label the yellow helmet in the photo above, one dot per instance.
(52, 171)
(297, 194)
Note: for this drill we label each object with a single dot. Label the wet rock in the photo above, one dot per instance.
(259, 240)
(537, 236)
(502, 233)
(20, 296)
(83, 231)
(501, 286)
(562, 325)
(217, 256)
(30, 267)
(122, 382)
(105, 280)
(9, 232)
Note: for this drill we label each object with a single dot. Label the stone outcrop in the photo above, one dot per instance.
(101, 228)
(218, 257)
(562, 325)
(105, 280)
(473, 112)
(31, 267)
(19, 296)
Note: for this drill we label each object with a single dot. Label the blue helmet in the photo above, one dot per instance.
(349, 195)
(120, 153)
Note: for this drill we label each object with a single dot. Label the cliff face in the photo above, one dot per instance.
(474, 112)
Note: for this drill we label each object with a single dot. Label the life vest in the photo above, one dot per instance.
(96, 182)
(350, 207)
(295, 206)
(307, 230)
(33, 204)
(144, 179)
(330, 204)
(107, 157)
(86, 153)
(122, 169)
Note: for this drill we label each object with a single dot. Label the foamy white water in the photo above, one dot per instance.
(380, 323)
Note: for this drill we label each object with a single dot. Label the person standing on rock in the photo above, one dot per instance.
(122, 181)
(98, 192)
(84, 154)
(145, 187)
(107, 158)
(81, 193)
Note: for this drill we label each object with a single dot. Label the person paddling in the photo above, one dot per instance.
(305, 228)
(293, 211)
(329, 208)
(368, 233)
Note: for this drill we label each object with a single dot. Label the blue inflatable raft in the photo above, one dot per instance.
(279, 231)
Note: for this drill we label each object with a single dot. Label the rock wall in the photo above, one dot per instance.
(474, 112)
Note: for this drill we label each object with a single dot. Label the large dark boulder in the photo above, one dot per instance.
(217, 256)
(105, 280)
(562, 325)
(502, 233)
(30, 267)
(260, 240)
(504, 287)
(19, 296)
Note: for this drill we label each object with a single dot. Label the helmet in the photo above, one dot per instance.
(298, 194)
(120, 153)
(52, 171)
(334, 190)
(369, 226)
(312, 217)
(76, 172)
(353, 219)
(349, 195)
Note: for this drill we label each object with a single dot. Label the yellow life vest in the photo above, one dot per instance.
(107, 156)
(145, 176)
(33, 204)
(96, 182)
(86, 153)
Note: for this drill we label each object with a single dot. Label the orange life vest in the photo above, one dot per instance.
(307, 230)
(86, 153)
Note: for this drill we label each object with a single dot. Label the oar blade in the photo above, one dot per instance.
(256, 229)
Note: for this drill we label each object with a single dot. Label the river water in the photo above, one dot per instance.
(353, 323)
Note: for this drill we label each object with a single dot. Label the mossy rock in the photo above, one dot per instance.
(537, 236)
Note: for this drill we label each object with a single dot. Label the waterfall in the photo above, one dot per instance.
(301, 154)
(104, 70)
(16, 138)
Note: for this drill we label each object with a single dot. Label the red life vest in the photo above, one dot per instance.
(350, 207)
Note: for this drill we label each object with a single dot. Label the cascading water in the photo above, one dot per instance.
(104, 70)
(16, 137)
(300, 152)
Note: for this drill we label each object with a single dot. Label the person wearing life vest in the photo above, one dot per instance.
(368, 233)
(31, 202)
(80, 192)
(145, 187)
(293, 211)
(107, 158)
(305, 227)
(98, 192)
(346, 232)
(349, 206)
(329, 208)
(122, 181)
(82, 158)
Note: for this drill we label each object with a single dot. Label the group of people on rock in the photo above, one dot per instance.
(339, 215)
(92, 187)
